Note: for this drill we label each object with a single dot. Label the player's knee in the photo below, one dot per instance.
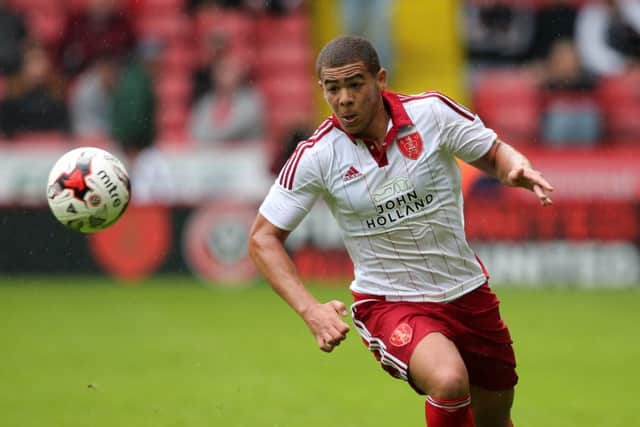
(449, 383)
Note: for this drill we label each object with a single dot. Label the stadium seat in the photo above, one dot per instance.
(296, 87)
(173, 87)
(623, 123)
(235, 27)
(159, 7)
(236, 24)
(165, 27)
(619, 98)
(178, 57)
(46, 25)
(172, 122)
(283, 43)
(283, 29)
(38, 139)
(508, 102)
(294, 57)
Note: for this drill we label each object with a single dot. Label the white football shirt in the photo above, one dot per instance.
(400, 209)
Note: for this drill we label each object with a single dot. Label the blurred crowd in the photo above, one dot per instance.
(133, 72)
(210, 72)
(562, 73)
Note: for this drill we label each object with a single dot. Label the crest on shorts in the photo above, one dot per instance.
(401, 335)
(410, 145)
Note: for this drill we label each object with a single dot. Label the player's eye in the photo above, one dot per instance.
(355, 85)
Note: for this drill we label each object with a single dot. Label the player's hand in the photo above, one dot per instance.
(326, 324)
(532, 180)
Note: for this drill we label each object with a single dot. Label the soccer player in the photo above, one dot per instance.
(385, 165)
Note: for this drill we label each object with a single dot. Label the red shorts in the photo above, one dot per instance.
(392, 330)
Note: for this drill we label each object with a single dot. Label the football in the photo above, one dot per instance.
(88, 189)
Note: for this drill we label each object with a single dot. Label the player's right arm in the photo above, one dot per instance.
(266, 248)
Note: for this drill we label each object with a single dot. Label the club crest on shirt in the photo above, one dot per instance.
(401, 335)
(410, 145)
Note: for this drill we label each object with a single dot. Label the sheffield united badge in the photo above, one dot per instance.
(401, 335)
(410, 145)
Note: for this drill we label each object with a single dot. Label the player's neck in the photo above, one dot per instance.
(377, 129)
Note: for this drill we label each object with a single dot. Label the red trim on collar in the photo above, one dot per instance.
(399, 116)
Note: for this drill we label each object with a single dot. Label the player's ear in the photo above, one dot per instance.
(381, 79)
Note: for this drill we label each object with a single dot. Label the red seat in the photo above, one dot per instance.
(172, 121)
(27, 6)
(46, 25)
(231, 22)
(619, 99)
(287, 85)
(274, 58)
(41, 138)
(164, 27)
(234, 30)
(160, 7)
(178, 57)
(233, 26)
(508, 102)
(173, 88)
(284, 29)
(620, 88)
(623, 123)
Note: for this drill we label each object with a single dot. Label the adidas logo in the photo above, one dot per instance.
(351, 174)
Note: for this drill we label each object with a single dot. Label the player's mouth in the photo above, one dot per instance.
(349, 119)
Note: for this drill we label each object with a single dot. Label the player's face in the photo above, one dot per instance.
(353, 94)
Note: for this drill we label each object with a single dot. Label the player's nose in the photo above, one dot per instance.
(344, 97)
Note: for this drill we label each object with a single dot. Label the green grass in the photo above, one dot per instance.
(170, 352)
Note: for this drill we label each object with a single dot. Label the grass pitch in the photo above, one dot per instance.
(170, 352)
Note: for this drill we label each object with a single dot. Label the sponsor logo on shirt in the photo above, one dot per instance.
(395, 200)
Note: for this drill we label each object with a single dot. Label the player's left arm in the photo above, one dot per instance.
(513, 169)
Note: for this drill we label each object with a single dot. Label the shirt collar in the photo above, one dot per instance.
(399, 116)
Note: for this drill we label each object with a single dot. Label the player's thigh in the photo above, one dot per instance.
(491, 408)
(436, 367)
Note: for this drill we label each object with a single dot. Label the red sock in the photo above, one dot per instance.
(449, 412)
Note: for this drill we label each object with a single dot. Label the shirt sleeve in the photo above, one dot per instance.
(463, 133)
(295, 190)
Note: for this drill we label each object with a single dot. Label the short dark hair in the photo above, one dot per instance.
(348, 50)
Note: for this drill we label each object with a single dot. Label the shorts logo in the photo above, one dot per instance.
(401, 335)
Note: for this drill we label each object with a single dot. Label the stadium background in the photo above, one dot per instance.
(136, 325)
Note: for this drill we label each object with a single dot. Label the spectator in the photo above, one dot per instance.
(103, 28)
(498, 32)
(608, 35)
(13, 33)
(570, 110)
(91, 99)
(371, 19)
(555, 20)
(133, 124)
(34, 99)
(233, 112)
(216, 46)
(272, 7)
